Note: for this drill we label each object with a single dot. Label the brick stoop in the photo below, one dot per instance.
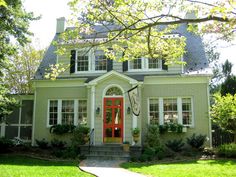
(105, 152)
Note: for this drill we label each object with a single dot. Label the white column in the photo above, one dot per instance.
(33, 122)
(92, 106)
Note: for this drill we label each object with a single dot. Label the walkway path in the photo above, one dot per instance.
(107, 168)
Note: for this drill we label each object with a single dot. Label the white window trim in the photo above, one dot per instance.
(145, 66)
(59, 110)
(91, 62)
(179, 109)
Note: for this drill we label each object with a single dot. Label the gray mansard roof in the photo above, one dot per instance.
(195, 58)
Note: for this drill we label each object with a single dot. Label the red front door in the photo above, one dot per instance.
(113, 120)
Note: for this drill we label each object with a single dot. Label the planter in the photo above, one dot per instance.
(184, 129)
(126, 147)
(135, 138)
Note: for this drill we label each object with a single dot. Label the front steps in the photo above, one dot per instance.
(105, 152)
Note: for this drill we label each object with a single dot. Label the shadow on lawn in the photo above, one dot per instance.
(192, 162)
(9, 159)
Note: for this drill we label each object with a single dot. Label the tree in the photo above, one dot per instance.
(141, 25)
(22, 68)
(228, 86)
(14, 24)
(227, 68)
(223, 113)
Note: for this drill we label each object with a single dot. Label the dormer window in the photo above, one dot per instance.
(83, 61)
(100, 61)
(145, 64)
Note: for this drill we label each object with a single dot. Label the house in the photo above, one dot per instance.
(93, 91)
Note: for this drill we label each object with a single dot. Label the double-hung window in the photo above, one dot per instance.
(145, 64)
(154, 111)
(71, 112)
(82, 61)
(93, 60)
(170, 110)
(100, 61)
(67, 112)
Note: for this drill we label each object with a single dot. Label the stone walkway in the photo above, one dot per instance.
(106, 168)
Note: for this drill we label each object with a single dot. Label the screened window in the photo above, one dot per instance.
(82, 112)
(100, 61)
(53, 112)
(170, 110)
(82, 63)
(187, 111)
(154, 111)
(67, 112)
(153, 63)
(135, 64)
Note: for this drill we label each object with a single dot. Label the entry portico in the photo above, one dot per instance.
(111, 117)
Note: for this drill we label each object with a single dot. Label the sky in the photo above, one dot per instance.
(45, 28)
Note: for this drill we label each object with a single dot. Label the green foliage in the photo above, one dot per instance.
(62, 129)
(42, 144)
(136, 131)
(227, 150)
(71, 152)
(22, 67)
(79, 135)
(5, 144)
(136, 33)
(163, 128)
(153, 136)
(228, 86)
(196, 141)
(175, 145)
(223, 112)
(58, 144)
(171, 127)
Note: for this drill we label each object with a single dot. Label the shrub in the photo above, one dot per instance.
(58, 144)
(5, 144)
(79, 135)
(163, 128)
(175, 145)
(153, 136)
(61, 129)
(42, 144)
(227, 150)
(196, 141)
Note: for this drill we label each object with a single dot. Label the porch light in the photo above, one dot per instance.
(97, 110)
(128, 110)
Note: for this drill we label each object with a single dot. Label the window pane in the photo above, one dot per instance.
(113, 91)
(67, 112)
(11, 132)
(25, 133)
(82, 63)
(170, 110)
(136, 64)
(154, 111)
(100, 61)
(187, 111)
(82, 112)
(27, 111)
(13, 118)
(53, 112)
(153, 63)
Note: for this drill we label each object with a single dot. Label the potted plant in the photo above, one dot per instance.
(85, 132)
(126, 146)
(136, 134)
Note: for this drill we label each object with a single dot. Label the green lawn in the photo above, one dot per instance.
(18, 166)
(200, 168)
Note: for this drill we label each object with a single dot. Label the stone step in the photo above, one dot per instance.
(105, 152)
(108, 157)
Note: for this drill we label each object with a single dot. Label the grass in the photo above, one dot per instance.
(199, 168)
(19, 166)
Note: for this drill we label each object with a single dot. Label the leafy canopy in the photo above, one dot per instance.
(223, 112)
(141, 25)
